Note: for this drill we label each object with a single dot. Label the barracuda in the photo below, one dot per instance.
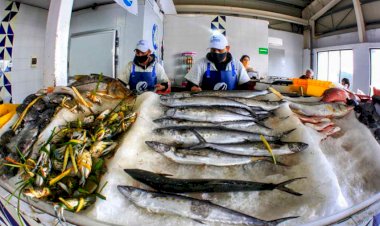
(229, 93)
(202, 156)
(204, 102)
(186, 136)
(195, 209)
(161, 182)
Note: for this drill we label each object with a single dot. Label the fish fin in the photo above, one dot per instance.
(199, 137)
(282, 186)
(288, 132)
(266, 159)
(286, 117)
(277, 221)
(199, 221)
(262, 124)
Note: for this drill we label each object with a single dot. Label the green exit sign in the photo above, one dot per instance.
(263, 51)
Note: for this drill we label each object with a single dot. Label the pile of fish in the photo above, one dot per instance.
(318, 115)
(39, 109)
(218, 128)
(65, 168)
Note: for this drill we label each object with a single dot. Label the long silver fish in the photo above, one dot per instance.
(202, 156)
(186, 136)
(204, 114)
(230, 93)
(204, 102)
(244, 125)
(192, 208)
(322, 110)
(265, 105)
(252, 148)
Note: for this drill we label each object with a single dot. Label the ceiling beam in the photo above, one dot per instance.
(326, 8)
(282, 3)
(359, 20)
(239, 11)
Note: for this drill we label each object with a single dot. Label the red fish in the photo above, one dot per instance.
(335, 95)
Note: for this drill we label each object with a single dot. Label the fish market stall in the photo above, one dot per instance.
(188, 147)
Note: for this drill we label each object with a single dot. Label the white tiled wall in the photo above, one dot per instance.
(293, 60)
(183, 33)
(29, 41)
(130, 28)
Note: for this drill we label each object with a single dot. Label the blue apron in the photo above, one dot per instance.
(219, 80)
(142, 81)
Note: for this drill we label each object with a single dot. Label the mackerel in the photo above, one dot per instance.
(161, 182)
(321, 110)
(196, 209)
(202, 156)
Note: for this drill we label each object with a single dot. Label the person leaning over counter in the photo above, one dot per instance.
(144, 73)
(218, 70)
(309, 74)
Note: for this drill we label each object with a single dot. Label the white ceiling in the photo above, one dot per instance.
(78, 4)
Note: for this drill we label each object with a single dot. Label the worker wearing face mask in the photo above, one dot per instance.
(218, 70)
(144, 73)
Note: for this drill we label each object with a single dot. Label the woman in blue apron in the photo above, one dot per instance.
(218, 70)
(145, 73)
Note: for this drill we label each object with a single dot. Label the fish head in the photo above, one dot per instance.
(297, 146)
(132, 193)
(158, 147)
(170, 112)
(166, 101)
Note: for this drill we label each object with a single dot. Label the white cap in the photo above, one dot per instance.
(143, 46)
(218, 41)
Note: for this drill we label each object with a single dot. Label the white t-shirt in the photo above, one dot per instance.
(195, 75)
(160, 72)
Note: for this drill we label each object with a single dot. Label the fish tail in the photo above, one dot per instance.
(260, 123)
(278, 221)
(282, 186)
(199, 137)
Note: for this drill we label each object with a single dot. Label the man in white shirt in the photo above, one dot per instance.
(144, 73)
(218, 70)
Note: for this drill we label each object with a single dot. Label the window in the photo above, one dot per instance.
(335, 65)
(375, 68)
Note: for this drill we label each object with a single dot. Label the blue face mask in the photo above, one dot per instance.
(218, 57)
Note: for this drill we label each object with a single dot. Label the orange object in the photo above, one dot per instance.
(298, 83)
(317, 87)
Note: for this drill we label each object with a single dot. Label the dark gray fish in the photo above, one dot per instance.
(40, 105)
(31, 115)
(161, 182)
(192, 208)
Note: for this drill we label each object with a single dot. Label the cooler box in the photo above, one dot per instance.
(317, 87)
